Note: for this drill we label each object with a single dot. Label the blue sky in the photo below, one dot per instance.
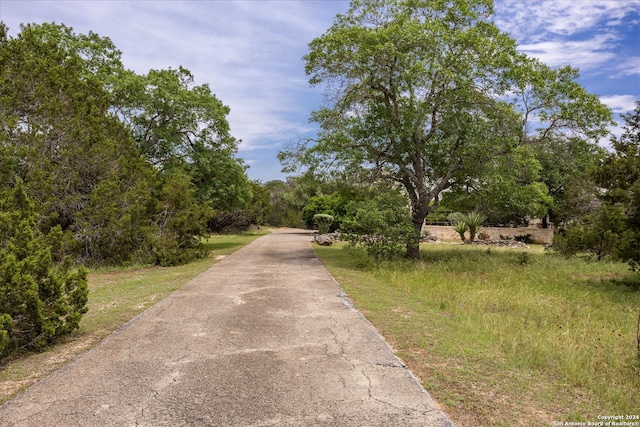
(249, 52)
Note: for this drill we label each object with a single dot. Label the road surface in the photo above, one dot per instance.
(265, 337)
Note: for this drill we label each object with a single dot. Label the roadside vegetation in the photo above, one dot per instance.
(503, 339)
(116, 295)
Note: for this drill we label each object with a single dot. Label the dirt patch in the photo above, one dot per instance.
(21, 372)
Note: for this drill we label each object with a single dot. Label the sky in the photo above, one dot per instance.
(250, 52)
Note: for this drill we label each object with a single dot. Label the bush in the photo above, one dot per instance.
(179, 224)
(381, 225)
(461, 227)
(600, 234)
(474, 220)
(470, 222)
(40, 302)
(333, 205)
(323, 221)
(524, 238)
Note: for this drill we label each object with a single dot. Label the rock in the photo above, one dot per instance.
(514, 244)
(323, 239)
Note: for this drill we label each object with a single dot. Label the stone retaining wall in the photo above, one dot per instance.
(542, 236)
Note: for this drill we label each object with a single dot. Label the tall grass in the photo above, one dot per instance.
(499, 338)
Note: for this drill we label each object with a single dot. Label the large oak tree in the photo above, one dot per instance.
(431, 94)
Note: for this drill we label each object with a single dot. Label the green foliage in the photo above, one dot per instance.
(176, 124)
(564, 162)
(432, 95)
(524, 238)
(524, 258)
(381, 225)
(461, 227)
(257, 212)
(509, 193)
(620, 175)
(116, 221)
(602, 233)
(470, 222)
(294, 202)
(474, 220)
(40, 302)
(59, 136)
(334, 205)
(179, 223)
(287, 199)
(260, 206)
(129, 167)
(323, 221)
(234, 221)
(604, 216)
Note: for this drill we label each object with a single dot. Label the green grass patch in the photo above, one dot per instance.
(502, 338)
(116, 295)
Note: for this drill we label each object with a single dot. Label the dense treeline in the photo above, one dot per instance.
(132, 168)
(601, 213)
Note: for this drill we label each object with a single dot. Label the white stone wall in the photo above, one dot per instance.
(539, 235)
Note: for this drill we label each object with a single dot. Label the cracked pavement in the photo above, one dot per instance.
(265, 337)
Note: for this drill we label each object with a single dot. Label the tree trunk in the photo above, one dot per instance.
(413, 245)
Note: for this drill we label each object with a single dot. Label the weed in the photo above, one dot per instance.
(524, 258)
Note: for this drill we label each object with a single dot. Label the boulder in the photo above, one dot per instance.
(323, 239)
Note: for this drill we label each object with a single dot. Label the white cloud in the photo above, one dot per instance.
(630, 66)
(528, 19)
(584, 54)
(588, 34)
(620, 103)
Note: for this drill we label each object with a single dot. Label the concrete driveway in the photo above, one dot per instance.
(263, 338)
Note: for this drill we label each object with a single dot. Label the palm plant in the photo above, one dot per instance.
(461, 227)
(474, 220)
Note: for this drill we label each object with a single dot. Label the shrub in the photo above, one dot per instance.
(600, 234)
(524, 238)
(323, 221)
(40, 302)
(333, 205)
(455, 217)
(461, 227)
(381, 225)
(179, 224)
(524, 258)
(474, 220)
(229, 222)
(470, 222)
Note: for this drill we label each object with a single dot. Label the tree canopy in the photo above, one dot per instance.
(177, 124)
(434, 97)
(130, 167)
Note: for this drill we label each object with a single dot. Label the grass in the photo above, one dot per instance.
(499, 338)
(116, 295)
